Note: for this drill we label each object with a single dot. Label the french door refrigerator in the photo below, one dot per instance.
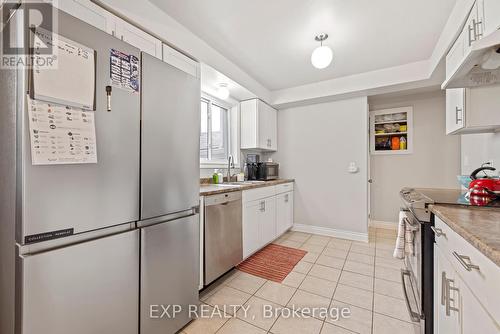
(88, 280)
(169, 225)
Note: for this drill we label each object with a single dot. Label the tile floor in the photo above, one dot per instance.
(363, 277)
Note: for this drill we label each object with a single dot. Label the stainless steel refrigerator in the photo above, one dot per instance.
(85, 248)
(169, 223)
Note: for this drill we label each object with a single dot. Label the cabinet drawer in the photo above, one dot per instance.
(283, 188)
(483, 280)
(258, 193)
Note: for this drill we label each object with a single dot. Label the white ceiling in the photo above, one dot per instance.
(211, 78)
(273, 40)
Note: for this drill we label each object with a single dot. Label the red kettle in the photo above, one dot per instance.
(485, 186)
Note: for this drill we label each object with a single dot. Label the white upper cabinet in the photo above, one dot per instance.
(491, 13)
(138, 38)
(472, 110)
(258, 126)
(89, 13)
(179, 60)
(455, 105)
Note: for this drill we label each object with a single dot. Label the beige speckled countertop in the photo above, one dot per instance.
(479, 226)
(214, 189)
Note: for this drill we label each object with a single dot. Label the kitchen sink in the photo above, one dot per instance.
(242, 183)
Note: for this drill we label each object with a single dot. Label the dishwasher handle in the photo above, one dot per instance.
(223, 199)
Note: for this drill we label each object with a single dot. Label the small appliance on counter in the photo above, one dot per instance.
(267, 170)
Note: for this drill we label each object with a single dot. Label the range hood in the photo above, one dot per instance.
(480, 67)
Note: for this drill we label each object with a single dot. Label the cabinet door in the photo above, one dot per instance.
(263, 124)
(455, 109)
(182, 62)
(456, 54)
(138, 38)
(446, 295)
(251, 227)
(284, 212)
(249, 124)
(268, 221)
(89, 13)
(472, 29)
(273, 129)
(491, 12)
(475, 319)
(267, 122)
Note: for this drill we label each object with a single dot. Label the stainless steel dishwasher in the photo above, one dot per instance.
(223, 234)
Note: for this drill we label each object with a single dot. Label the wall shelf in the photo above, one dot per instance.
(398, 123)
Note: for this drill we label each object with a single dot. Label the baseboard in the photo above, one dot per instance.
(383, 224)
(331, 232)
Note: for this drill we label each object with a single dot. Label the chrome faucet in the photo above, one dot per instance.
(230, 163)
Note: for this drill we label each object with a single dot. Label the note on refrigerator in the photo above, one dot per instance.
(61, 134)
(70, 80)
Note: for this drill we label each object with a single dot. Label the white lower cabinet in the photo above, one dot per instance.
(465, 286)
(267, 221)
(266, 216)
(284, 212)
(251, 227)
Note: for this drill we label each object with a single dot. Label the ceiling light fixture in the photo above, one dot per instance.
(322, 56)
(222, 91)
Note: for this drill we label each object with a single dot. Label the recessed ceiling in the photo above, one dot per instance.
(273, 40)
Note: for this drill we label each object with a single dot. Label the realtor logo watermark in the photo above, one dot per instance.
(267, 311)
(27, 35)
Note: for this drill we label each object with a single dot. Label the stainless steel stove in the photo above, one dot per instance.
(417, 277)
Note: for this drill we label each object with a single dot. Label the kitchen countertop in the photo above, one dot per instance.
(214, 189)
(479, 226)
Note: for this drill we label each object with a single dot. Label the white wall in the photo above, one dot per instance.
(434, 163)
(315, 145)
(479, 148)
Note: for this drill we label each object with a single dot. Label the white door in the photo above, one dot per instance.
(251, 229)
(455, 109)
(268, 220)
(138, 38)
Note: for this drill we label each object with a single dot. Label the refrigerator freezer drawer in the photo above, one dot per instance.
(169, 273)
(92, 287)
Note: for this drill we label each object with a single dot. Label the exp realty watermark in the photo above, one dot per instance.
(158, 311)
(27, 36)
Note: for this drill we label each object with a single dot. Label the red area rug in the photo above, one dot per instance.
(273, 262)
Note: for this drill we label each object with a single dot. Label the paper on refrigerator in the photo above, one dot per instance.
(61, 134)
(71, 78)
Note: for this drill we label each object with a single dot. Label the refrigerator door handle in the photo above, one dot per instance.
(165, 218)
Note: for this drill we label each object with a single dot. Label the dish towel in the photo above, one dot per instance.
(404, 242)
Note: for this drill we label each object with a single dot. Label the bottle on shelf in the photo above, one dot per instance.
(402, 143)
(395, 143)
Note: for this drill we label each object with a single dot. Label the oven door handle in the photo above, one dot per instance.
(415, 316)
